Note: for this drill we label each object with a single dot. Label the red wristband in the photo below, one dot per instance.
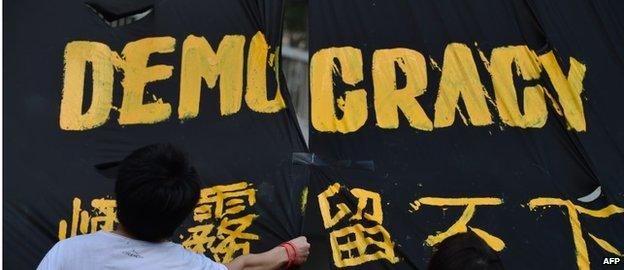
(291, 254)
(294, 257)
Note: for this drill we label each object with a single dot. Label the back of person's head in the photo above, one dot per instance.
(464, 251)
(156, 189)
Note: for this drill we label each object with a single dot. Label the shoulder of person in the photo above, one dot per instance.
(77, 241)
(63, 251)
(199, 258)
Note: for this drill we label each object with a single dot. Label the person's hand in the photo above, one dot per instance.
(302, 249)
(287, 254)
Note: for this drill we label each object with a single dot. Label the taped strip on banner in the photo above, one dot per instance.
(311, 159)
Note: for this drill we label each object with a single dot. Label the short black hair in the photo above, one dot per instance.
(156, 189)
(465, 251)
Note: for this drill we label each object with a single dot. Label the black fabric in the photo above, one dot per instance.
(597, 32)
(46, 166)
(463, 160)
(113, 10)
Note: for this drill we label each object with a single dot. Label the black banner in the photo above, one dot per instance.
(85, 84)
(428, 119)
(500, 117)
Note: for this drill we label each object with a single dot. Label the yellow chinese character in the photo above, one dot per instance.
(355, 240)
(461, 225)
(102, 217)
(223, 205)
(200, 238)
(582, 257)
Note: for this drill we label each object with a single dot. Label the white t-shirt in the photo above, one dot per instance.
(105, 250)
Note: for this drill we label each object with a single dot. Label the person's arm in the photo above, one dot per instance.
(273, 259)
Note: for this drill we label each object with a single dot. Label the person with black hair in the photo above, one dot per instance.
(156, 189)
(464, 251)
